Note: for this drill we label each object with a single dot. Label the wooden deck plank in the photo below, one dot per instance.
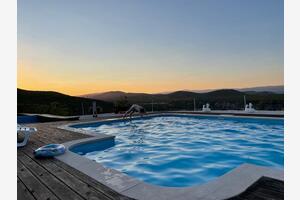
(23, 193)
(69, 179)
(93, 183)
(35, 187)
(73, 176)
(88, 187)
(56, 186)
(264, 189)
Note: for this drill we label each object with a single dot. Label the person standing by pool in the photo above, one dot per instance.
(134, 108)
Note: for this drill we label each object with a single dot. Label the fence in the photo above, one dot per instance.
(193, 104)
(190, 105)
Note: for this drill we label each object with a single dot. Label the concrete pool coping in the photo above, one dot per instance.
(230, 184)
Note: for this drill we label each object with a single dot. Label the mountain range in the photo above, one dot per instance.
(278, 89)
(115, 95)
(184, 100)
(49, 102)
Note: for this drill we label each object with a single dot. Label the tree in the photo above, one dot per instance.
(121, 105)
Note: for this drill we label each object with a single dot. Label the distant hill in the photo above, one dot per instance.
(113, 95)
(48, 102)
(218, 99)
(278, 89)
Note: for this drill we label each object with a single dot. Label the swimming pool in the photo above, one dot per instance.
(182, 150)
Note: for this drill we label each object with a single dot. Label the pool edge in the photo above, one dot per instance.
(239, 178)
(230, 184)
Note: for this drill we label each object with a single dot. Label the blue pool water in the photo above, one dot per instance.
(24, 119)
(179, 151)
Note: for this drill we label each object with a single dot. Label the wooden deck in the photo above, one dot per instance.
(264, 188)
(51, 179)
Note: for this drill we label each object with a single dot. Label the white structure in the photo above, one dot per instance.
(27, 131)
(206, 108)
(249, 108)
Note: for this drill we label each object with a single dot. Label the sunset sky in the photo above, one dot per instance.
(79, 47)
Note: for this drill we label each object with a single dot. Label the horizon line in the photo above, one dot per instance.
(162, 92)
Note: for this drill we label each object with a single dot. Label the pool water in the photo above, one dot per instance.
(180, 151)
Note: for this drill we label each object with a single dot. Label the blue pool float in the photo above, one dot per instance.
(50, 150)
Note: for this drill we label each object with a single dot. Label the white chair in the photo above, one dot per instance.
(249, 108)
(27, 132)
(206, 108)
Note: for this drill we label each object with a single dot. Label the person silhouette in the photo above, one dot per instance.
(134, 108)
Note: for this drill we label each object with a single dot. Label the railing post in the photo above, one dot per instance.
(82, 108)
(152, 105)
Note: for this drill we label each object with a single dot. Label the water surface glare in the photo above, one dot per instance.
(179, 151)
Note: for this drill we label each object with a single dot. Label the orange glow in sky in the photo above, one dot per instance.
(80, 48)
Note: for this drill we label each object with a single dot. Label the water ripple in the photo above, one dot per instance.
(184, 151)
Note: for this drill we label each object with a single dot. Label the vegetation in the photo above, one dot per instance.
(46, 102)
(184, 100)
(60, 104)
(231, 100)
(121, 104)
